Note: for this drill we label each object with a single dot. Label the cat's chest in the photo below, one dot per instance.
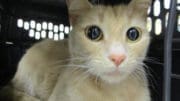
(88, 93)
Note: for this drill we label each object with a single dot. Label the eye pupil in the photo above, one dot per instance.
(133, 34)
(94, 33)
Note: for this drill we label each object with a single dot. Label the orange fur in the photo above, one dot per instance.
(77, 69)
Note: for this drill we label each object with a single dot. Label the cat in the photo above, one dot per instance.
(101, 61)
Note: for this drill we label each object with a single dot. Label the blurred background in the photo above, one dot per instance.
(25, 22)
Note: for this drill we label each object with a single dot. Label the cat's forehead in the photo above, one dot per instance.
(112, 15)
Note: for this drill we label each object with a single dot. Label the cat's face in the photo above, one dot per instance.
(111, 41)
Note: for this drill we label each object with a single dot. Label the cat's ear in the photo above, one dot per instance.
(141, 6)
(77, 8)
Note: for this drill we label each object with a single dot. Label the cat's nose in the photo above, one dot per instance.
(117, 58)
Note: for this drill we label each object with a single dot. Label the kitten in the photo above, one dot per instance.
(101, 61)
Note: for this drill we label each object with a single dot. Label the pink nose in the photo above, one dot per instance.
(117, 58)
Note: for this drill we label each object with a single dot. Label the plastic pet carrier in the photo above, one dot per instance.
(24, 22)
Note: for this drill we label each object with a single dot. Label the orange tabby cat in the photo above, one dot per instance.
(101, 61)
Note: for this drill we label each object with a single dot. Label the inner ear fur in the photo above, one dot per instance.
(141, 6)
(77, 8)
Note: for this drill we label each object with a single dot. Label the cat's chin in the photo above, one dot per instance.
(113, 77)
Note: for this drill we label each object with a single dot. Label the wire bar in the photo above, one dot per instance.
(175, 76)
(168, 51)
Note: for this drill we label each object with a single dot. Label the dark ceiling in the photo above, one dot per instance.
(35, 8)
(45, 7)
(61, 3)
(42, 2)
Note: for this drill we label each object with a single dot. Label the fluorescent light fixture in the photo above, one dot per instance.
(44, 25)
(56, 36)
(32, 24)
(38, 27)
(158, 26)
(43, 34)
(50, 26)
(44, 30)
(149, 10)
(31, 33)
(20, 23)
(26, 25)
(61, 27)
(149, 24)
(71, 28)
(66, 30)
(166, 19)
(56, 28)
(167, 4)
(37, 35)
(61, 36)
(50, 34)
(157, 8)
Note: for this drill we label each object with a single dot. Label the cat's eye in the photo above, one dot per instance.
(94, 33)
(133, 34)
